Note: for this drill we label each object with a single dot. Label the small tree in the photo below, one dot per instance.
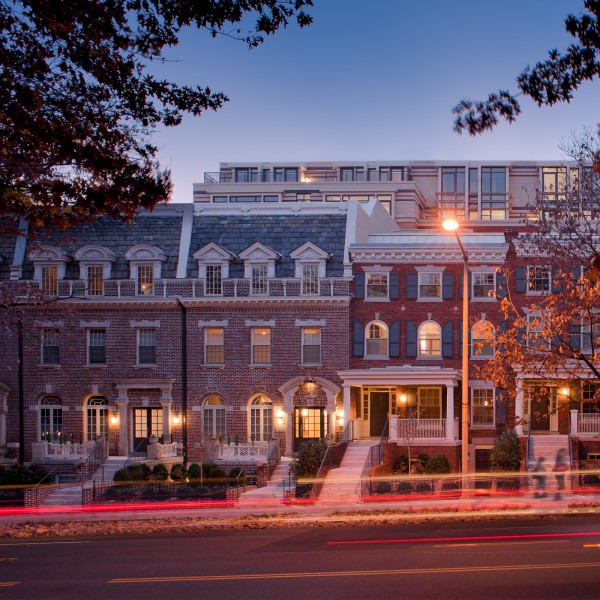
(309, 459)
(506, 453)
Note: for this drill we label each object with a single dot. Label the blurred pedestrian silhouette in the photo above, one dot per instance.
(561, 465)
(540, 478)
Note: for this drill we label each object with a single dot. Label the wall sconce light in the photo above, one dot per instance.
(565, 391)
(175, 420)
(340, 416)
(114, 420)
(280, 415)
(403, 398)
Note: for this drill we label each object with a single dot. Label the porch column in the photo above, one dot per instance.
(450, 412)
(347, 405)
(166, 415)
(393, 428)
(519, 412)
(4, 391)
(122, 406)
(289, 430)
(574, 422)
(330, 412)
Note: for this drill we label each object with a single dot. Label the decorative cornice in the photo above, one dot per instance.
(396, 256)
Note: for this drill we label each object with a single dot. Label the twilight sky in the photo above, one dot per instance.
(373, 80)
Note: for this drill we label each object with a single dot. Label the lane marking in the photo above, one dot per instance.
(467, 538)
(467, 545)
(323, 574)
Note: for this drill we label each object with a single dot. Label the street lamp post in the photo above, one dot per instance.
(452, 225)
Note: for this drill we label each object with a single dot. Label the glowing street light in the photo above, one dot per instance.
(453, 226)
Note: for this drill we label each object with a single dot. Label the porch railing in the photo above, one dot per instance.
(64, 452)
(249, 451)
(421, 429)
(588, 423)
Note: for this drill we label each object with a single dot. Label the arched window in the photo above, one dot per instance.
(377, 339)
(51, 427)
(214, 416)
(482, 335)
(430, 339)
(97, 418)
(261, 419)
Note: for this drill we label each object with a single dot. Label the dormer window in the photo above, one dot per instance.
(49, 267)
(311, 265)
(213, 267)
(259, 267)
(95, 265)
(145, 266)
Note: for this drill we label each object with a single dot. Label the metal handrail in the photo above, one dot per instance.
(132, 455)
(334, 455)
(374, 458)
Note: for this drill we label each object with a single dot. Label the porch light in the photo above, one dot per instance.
(403, 398)
(114, 420)
(309, 381)
(305, 412)
(175, 420)
(565, 391)
(280, 415)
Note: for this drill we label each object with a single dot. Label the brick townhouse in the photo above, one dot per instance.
(287, 302)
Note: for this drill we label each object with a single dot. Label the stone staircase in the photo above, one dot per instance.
(342, 483)
(108, 468)
(274, 487)
(548, 447)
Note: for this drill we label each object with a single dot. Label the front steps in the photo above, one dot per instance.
(106, 471)
(341, 484)
(548, 446)
(274, 487)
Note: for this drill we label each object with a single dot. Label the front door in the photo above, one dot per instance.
(146, 422)
(380, 405)
(309, 424)
(539, 411)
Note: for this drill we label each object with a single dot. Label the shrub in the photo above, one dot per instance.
(401, 464)
(437, 465)
(135, 472)
(237, 471)
(178, 472)
(309, 459)
(404, 487)
(17, 475)
(194, 472)
(384, 487)
(506, 453)
(423, 487)
(212, 471)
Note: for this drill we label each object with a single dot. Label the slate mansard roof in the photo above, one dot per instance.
(282, 233)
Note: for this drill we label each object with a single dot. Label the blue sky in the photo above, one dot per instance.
(373, 80)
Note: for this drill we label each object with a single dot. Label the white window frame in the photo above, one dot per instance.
(141, 333)
(209, 332)
(311, 334)
(424, 344)
(587, 332)
(529, 340)
(144, 280)
(260, 419)
(257, 336)
(422, 284)
(259, 279)
(94, 278)
(90, 334)
(492, 350)
(214, 417)
(487, 297)
(378, 340)
(479, 391)
(54, 405)
(49, 279)
(50, 334)
(424, 398)
(533, 277)
(371, 286)
(96, 412)
(310, 279)
(213, 280)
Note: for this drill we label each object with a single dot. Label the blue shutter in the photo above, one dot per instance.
(503, 327)
(359, 286)
(394, 286)
(412, 283)
(359, 339)
(460, 338)
(501, 290)
(556, 281)
(395, 340)
(447, 286)
(520, 280)
(501, 407)
(411, 340)
(575, 341)
(447, 334)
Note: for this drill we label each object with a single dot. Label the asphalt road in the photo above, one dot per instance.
(558, 558)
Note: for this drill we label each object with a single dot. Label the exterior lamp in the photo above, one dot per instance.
(280, 414)
(340, 415)
(403, 398)
(114, 420)
(305, 412)
(452, 225)
(175, 420)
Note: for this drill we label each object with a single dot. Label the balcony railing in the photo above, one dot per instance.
(66, 452)
(308, 176)
(415, 429)
(281, 287)
(588, 423)
(253, 451)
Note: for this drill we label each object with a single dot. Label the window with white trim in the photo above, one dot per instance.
(260, 280)
(261, 419)
(376, 285)
(429, 403)
(535, 339)
(539, 279)
(96, 418)
(310, 279)
(214, 417)
(146, 346)
(95, 280)
(590, 334)
(482, 407)
(50, 351)
(261, 345)
(429, 339)
(145, 280)
(96, 346)
(482, 334)
(376, 339)
(483, 285)
(311, 345)
(430, 285)
(214, 343)
(51, 419)
(49, 280)
(213, 281)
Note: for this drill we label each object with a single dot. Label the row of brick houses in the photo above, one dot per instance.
(287, 302)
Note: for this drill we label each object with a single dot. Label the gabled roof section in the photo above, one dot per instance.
(309, 251)
(258, 251)
(213, 252)
(43, 252)
(94, 252)
(146, 252)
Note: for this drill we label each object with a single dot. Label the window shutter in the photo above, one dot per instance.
(503, 327)
(412, 282)
(359, 286)
(520, 280)
(460, 338)
(556, 281)
(500, 286)
(575, 341)
(447, 333)
(522, 336)
(411, 339)
(394, 286)
(501, 404)
(359, 339)
(447, 286)
(395, 340)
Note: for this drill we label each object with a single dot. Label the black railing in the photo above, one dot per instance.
(332, 460)
(374, 459)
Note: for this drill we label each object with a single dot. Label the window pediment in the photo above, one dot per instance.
(94, 253)
(145, 253)
(213, 253)
(309, 252)
(47, 253)
(259, 253)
